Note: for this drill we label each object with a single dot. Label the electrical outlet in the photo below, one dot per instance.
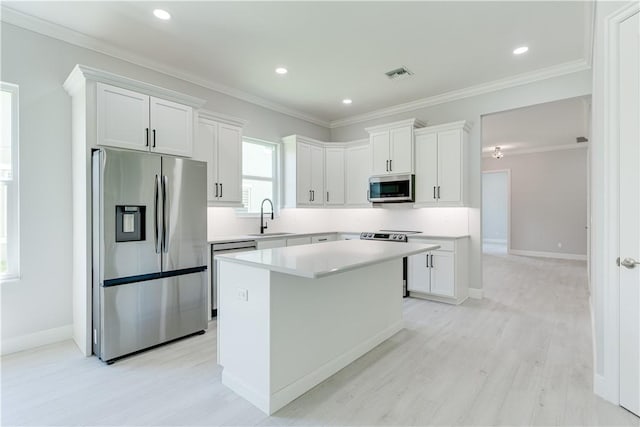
(243, 294)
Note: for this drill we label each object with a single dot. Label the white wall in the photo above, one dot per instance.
(472, 109)
(495, 206)
(37, 308)
(548, 200)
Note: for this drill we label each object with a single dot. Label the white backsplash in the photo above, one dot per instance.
(435, 221)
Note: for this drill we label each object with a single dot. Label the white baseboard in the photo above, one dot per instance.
(557, 255)
(37, 339)
(476, 293)
(496, 241)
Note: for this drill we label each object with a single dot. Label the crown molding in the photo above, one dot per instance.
(509, 82)
(221, 118)
(402, 123)
(544, 149)
(49, 29)
(462, 124)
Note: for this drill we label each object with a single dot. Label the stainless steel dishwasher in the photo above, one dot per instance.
(219, 249)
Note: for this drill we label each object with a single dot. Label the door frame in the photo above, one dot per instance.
(608, 385)
(508, 171)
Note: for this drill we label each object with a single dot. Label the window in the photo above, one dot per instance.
(9, 232)
(259, 174)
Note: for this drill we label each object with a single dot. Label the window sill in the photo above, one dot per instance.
(10, 278)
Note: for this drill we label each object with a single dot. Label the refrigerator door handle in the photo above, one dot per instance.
(165, 214)
(155, 214)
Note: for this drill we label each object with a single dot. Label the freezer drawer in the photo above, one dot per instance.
(139, 315)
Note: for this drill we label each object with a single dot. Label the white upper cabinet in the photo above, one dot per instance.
(128, 119)
(334, 181)
(171, 127)
(123, 118)
(441, 165)
(220, 145)
(357, 171)
(303, 172)
(392, 147)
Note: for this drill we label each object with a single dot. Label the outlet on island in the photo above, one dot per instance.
(243, 294)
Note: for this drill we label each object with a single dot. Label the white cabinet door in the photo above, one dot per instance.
(205, 150)
(450, 166)
(357, 175)
(171, 127)
(317, 176)
(270, 244)
(401, 150)
(418, 273)
(379, 142)
(229, 163)
(122, 118)
(297, 241)
(443, 274)
(303, 172)
(426, 168)
(334, 177)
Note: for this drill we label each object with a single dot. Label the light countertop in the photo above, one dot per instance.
(244, 237)
(320, 260)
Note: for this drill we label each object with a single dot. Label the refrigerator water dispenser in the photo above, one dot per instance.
(130, 223)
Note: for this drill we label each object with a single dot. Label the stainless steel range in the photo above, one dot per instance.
(401, 236)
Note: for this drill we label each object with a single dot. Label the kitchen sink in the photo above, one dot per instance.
(269, 234)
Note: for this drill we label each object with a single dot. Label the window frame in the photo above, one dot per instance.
(276, 178)
(13, 190)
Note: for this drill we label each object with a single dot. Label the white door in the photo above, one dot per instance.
(334, 176)
(418, 273)
(449, 167)
(303, 174)
(229, 163)
(401, 143)
(205, 149)
(629, 90)
(122, 118)
(442, 274)
(171, 127)
(317, 176)
(426, 168)
(357, 175)
(379, 142)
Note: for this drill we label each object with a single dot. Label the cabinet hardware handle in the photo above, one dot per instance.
(154, 138)
(322, 240)
(309, 195)
(313, 195)
(391, 165)
(146, 140)
(432, 261)
(216, 189)
(220, 189)
(387, 167)
(438, 191)
(427, 261)
(327, 196)
(434, 191)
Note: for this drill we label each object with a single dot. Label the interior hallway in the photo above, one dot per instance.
(520, 356)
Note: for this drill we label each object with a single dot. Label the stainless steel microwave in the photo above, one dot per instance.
(391, 188)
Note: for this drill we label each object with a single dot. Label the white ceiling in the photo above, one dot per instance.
(547, 125)
(334, 50)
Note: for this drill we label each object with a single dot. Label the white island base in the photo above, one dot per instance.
(280, 334)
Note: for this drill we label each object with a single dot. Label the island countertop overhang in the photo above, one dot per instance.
(324, 259)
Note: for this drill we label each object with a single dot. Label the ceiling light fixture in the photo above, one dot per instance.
(281, 70)
(497, 154)
(162, 14)
(347, 101)
(520, 50)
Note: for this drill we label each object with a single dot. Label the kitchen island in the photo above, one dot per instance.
(289, 318)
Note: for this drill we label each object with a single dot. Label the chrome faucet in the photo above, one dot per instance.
(263, 224)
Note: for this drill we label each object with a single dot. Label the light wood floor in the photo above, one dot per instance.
(520, 356)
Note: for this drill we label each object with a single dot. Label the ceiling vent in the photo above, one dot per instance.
(399, 73)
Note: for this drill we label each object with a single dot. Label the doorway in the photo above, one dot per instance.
(496, 211)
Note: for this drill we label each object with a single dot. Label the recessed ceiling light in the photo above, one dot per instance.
(520, 50)
(347, 101)
(162, 14)
(281, 70)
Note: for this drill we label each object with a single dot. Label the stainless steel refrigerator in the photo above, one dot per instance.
(149, 250)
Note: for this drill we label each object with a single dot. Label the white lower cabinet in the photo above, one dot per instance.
(269, 244)
(296, 241)
(442, 274)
